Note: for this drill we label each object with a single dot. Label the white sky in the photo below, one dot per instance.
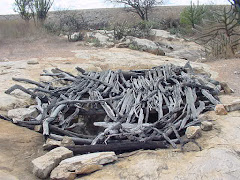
(6, 6)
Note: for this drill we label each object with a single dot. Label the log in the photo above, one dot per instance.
(118, 147)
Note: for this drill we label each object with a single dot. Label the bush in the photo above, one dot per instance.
(94, 41)
(140, 30)
(69, 24)
(52, 28)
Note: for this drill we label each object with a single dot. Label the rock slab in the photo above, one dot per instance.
(51, 144)
(43, 165)
(20, 114)
(8, 102)
(83, 164)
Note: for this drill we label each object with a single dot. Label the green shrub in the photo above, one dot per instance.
(193, 14)
(140, 30)
(94, 41)
(134, 47)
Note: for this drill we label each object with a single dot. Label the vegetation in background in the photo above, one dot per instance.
(140, 30)
(40, 9)
(193, 14)
(22, 7)
(15, 29)
(220, 36)
(95, 42)
(36, 9)
(140, 7)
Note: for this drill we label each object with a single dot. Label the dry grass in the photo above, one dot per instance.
(18, 29)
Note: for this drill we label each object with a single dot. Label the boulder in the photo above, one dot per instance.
(206, 126)
(226, 88)
(51, 144)
(83, 164)
(143, 44)
(220, 109)
(162, 34)
(43, 165)
(104, 38)
(193, 132)
(20, 114)
(75, 37)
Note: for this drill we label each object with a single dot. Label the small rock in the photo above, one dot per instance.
(226, 88)
(43, 165)
(235, 106)
(21, 114)
(83, 164)
(32, 62)
(206, 126)
(220, 109)
(193, 132)
(158, 52)
(51, 144)
(38, 128)
(203, 117)
(67, 141)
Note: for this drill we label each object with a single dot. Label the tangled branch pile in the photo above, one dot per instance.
(157, 104)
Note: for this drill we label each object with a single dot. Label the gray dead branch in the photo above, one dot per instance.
(108, 107)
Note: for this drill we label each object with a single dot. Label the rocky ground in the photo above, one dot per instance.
(219, 158)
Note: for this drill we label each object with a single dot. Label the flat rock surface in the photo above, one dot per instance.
(18, 147)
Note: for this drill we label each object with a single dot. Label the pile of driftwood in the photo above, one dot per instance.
(142, 106)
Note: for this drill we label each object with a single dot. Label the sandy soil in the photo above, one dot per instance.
(14, 50)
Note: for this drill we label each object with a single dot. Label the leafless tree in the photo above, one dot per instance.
(140, 7)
